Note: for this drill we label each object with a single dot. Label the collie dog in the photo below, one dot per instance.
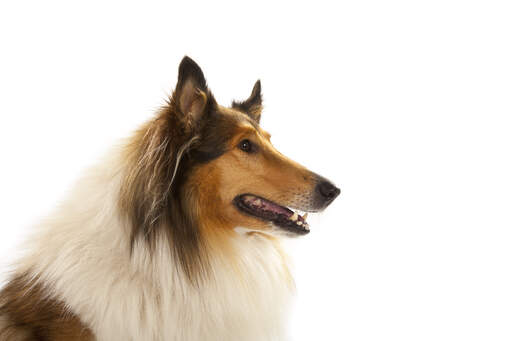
(175, 235)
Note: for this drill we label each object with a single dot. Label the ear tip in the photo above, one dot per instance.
(188, 67)
(256, 90)
(187, 60)
(188, 63)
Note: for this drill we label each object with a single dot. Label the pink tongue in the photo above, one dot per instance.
(268, 206)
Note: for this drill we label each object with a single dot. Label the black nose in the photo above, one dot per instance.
(328, 191)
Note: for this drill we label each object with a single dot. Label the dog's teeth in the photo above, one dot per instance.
(305, 216)
(257, 202)
(294, 217)
(299, 223)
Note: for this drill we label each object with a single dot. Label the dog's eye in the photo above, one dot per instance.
(246, 146)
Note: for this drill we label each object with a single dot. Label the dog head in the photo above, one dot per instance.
(202, 166)
(236, 176)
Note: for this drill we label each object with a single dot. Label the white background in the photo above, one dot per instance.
(406, 105)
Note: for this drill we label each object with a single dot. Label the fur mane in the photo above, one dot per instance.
(151, 193)
(138, 249)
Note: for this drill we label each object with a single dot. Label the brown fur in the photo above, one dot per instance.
(268, 173)
(184, 168)
(252, 106)
(182, 171)
(30, 313)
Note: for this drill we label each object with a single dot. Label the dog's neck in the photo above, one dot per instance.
(82, 253)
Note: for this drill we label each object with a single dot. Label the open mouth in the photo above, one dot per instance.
(270, 211)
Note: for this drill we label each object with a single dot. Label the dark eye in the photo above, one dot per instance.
(246, 146)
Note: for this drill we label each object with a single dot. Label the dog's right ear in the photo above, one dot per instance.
(191, 97)
(253, 105)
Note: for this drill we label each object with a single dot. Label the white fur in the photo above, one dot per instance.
(81, 253)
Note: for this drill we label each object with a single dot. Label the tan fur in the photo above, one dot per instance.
(268, 173)
(149, 245)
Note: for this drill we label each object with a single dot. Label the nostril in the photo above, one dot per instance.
(328, 190)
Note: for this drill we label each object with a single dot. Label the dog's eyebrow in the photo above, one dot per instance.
(245, 128)
(266, 134)
(257, 127)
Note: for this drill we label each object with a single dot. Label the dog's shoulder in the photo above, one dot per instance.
(29, 312)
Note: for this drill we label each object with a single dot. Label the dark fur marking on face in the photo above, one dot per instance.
(214, 138)
(162, 156)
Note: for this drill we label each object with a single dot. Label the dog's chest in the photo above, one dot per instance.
(246, 300)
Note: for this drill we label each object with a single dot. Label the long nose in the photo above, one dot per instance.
(325, 193)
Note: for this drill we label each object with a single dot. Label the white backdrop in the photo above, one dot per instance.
(406, 105)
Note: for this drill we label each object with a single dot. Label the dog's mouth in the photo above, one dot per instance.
(267, 210)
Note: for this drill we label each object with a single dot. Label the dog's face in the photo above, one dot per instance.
(237, 177)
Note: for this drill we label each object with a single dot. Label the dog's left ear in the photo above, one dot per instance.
(253, 105)
(192, 97)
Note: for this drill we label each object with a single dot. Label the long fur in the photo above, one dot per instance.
(82, 255)
(147, 247)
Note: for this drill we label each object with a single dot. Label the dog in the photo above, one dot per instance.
(174, 235)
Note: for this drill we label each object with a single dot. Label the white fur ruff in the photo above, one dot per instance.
(81, 253)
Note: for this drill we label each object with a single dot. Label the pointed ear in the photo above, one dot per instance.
(192, 98)
(253, 105)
